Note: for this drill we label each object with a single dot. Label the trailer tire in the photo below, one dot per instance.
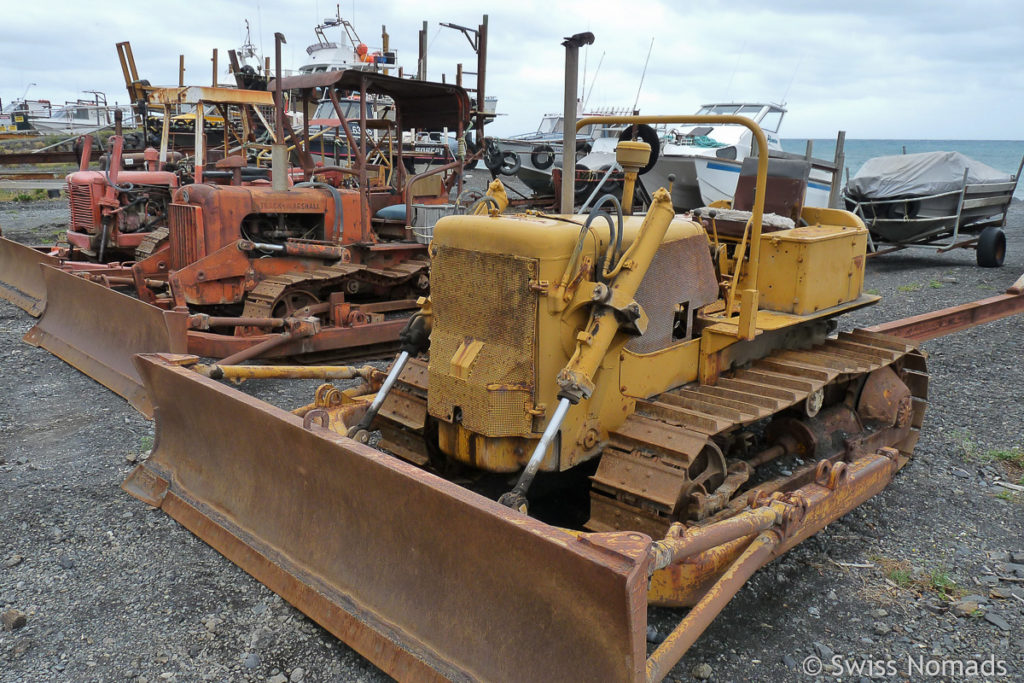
(991, 248)
(542, 157)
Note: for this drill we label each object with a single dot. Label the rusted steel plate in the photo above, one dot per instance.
(424, 578)
(954, 319)
(21, 280)
(97, 330)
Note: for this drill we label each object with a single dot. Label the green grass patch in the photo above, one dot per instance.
(912, 287)
(874, 292)
(935, 284)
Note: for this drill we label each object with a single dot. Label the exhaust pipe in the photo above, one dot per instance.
(279, 151)
(572, 68)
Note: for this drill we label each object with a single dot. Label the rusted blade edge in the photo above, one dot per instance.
(424, 578)
(97, 330)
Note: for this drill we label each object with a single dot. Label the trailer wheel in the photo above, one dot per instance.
(991, 248)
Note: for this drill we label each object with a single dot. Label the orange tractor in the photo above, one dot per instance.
(258, 262)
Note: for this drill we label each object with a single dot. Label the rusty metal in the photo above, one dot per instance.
(714, 601)
(296, 328)
(21, 277)
(81, 320)
(467, 582)
(590, 588)
(956, 318)
(244, 372)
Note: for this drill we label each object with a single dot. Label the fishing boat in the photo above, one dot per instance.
(935, 200)
(531, 156)
(704, 161)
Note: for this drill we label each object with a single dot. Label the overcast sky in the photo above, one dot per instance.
(875, 68)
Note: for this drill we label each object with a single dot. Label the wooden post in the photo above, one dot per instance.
(181, 71)
(481, 77)
(213, 81)
(837, 174)
(421, 63)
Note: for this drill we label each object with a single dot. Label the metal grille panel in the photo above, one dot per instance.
(82, 219)
(183, 221)
(499, 384)
(681, 271)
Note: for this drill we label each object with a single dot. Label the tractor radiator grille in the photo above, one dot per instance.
(186, 235)
(484, 298)
(82, 218)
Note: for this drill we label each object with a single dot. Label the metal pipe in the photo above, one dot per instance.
(572, 68)
(516, 498)
(279, 150)
(701, 615)
(234, 372)
(359, 432)
(698, 539)
(258, 349)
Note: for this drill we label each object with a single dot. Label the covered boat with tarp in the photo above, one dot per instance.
(940, 200)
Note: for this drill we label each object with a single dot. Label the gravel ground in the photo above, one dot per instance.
(113, 590)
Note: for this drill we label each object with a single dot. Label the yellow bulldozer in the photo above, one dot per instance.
(588, 417)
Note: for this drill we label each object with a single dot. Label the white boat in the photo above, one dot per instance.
(531, 156)
(706, 159)
(83, 116)
(347, 52)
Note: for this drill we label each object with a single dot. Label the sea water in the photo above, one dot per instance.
(1002, 155)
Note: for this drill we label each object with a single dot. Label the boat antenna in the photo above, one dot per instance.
(259, 20)
(792, 78)
(593, 80)
(644, 73)
(735, 67)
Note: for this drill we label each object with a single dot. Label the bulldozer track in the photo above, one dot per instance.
(671, 429)
(261, 300)
(151, 242)
(644, 474)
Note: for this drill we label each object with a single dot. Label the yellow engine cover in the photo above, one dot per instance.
(500, 332)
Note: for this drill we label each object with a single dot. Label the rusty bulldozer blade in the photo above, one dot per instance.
(430, 581)
(97, 330)
(21, 277)
(422, 577)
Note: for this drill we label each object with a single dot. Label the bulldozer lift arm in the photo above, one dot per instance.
(96, 330)
(955, 318)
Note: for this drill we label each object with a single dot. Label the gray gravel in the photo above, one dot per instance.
(112, 590)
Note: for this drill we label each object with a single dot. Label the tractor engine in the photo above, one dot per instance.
(206, 218)
(112, 218)
(503, 328)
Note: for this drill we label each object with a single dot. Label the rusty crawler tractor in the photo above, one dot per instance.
(639, 377)
(112, 210)
(271, 268)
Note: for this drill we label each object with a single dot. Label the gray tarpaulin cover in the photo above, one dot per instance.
(919, 174)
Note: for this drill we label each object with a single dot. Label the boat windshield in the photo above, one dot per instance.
(550, 124)
(719, 109)
(771, 120)
(349, 108)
